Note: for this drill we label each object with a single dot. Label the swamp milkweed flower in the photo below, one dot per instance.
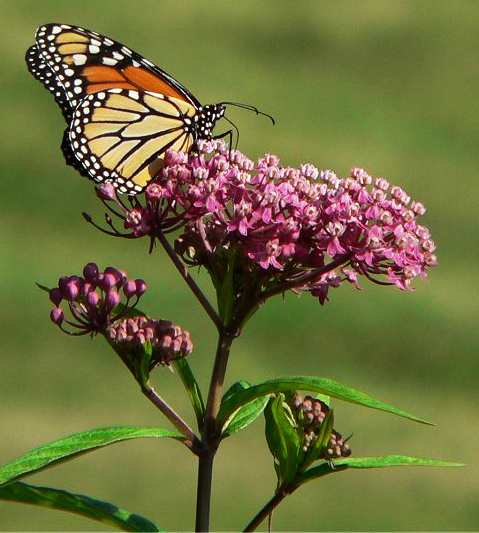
(279, 227)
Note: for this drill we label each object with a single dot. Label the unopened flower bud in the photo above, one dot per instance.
(92, 298)
(107, 191)
(108, 281)
(71, 290)
(168, 342)
(112, 299)
(92, 302)
(129, 288)
(140, 287)
(56, 296)
(56, 316)
(90, 272)
(118, 275)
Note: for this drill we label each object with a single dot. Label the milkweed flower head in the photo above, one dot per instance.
(288, 228)
(94, 300)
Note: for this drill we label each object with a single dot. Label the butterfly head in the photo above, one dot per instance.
(206, 118)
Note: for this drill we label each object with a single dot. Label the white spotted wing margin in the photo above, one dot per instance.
(121, 136)
(39, 69)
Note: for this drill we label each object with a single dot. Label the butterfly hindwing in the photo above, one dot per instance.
(121, 135)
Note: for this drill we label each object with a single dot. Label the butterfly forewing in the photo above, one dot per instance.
(39, 69)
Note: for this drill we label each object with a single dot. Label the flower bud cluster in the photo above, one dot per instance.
(94, 299)
(168, 342)
(310, 414)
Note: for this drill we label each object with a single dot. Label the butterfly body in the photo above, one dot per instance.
(123, 112)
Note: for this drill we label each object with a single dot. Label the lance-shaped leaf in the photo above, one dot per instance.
(144, 363)
(186, 375)
(366, 462)
(103, 512)
(246, 414)
(75, 445)
(283, 439)
(308, 383)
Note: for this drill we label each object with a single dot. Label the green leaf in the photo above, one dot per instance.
(246, 414)
(283, 439)
(43, 288)
(120, 308)
(238, 386)
(192, 388)
(367, 462)
(308, 383)
(75, 445)
(144, 363)
(103, 512)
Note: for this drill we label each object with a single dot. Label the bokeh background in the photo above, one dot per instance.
(388, 85)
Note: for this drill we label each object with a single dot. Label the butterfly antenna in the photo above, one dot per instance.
(236, 129)
(251, 108)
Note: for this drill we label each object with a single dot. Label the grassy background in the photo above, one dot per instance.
(388, 85)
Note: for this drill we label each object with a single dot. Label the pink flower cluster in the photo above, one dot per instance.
(308, 229)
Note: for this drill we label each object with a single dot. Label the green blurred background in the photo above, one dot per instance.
(388, 85)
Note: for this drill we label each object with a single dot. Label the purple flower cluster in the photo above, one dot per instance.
(94, 300)
(168, 342)
(307, 229)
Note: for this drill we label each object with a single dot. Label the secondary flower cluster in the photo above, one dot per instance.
(94, 299)
(168, 342)
(310, 414)
(307, 228)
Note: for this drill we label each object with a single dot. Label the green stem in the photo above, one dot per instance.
(211, 433)
(194, 443)
(190, 282)
(216, 385)
(266, 510)
(203, 494)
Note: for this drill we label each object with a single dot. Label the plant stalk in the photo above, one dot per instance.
(190, 282)
(266, 510)
(211, 433)
(203, 494)
(194, 443)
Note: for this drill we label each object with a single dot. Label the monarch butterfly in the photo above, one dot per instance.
(123, 112)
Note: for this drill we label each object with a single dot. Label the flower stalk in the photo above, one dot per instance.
(193, 442)
(266, 511)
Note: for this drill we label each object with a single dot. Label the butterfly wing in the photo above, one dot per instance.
(121, 135)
